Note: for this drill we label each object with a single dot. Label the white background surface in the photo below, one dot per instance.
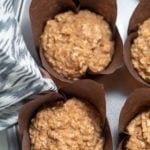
(115, 99)
(125, 10)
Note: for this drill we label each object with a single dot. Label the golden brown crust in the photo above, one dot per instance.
(140, 51)
(69, 125)
(74, 43)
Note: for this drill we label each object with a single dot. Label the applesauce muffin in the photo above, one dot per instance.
(74, 43)
(140, 51)
(70, 125)
(139, 131)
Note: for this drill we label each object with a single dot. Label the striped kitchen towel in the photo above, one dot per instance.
(19, 75)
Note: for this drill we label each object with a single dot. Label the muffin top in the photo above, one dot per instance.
(140, 51)
(139, 131)
(70, 125)
(76, 42)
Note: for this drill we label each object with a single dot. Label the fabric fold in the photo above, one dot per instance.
(20, 76)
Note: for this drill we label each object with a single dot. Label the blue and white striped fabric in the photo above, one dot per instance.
(19, 75)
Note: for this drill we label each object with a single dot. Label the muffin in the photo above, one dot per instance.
(74, 43)
(68, 125)
(139, 132)
(140, 51)
(134, 121)
(68, 116)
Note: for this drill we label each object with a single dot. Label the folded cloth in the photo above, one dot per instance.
(20, 77)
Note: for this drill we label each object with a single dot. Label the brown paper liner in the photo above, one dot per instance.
(86, 89)
(44, 73)
(136, 103)
(141, 13)
(42, 10)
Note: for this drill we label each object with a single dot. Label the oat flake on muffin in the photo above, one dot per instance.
(140, 51)
(74, 43)
(70, 125)
(139, 132)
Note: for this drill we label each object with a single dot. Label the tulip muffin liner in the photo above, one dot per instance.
(140, 14)
(86, 90)
(43, 10)
(137, 102)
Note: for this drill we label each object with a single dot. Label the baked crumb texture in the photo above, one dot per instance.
(70, 125)
(74, 43)
(139, 131)
(140, 51)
